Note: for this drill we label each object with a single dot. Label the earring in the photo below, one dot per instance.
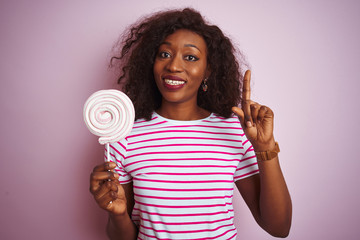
(204, 85)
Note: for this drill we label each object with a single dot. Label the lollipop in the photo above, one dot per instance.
(110, 115)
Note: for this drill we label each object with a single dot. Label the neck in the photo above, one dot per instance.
(182, 112)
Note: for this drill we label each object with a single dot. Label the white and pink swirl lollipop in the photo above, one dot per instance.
(110, 115)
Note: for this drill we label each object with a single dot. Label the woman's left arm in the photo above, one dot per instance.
(266, 193)
(268, 198)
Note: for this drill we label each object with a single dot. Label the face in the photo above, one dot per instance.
(181, 66)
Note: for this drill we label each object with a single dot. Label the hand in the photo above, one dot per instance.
(106, 189)
(257, 120)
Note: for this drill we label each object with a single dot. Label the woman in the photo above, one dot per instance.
(172, 177)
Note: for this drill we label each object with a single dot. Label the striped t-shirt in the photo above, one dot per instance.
(183, 174)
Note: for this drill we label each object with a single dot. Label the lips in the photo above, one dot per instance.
(173, 82)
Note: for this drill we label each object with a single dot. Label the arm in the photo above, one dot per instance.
(115, 198)
(266, 194)
(268, 198)
(120, 226)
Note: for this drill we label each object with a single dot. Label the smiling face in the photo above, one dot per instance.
(180, 67)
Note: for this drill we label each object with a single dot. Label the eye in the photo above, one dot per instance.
(191, 58)
(164, 54)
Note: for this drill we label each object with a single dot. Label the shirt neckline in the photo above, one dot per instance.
(182, 121)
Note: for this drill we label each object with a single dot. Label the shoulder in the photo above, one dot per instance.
(217, 119)
(143, 127)
(141, 124)
(229, 126)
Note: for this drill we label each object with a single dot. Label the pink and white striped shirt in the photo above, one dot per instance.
(183, 174)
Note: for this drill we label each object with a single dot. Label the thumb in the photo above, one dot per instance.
(240, 113)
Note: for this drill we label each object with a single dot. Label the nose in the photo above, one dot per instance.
(175, 64)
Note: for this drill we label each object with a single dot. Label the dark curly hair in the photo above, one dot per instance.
(138, 49)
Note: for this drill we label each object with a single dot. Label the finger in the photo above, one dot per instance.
(246, 93)
(101, 173)
(254, 111)
(98, 178)
(262, 112)
(104, 189)
(240, 113)
(104, 167)
(247, 113)
(101, 176)
(106, 201)
(246, 102)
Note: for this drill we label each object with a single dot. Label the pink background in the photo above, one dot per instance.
(54, 54)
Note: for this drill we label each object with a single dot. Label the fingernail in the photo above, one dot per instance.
(112, 164)
(248, 124)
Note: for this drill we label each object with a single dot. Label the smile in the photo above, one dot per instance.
(174, 82)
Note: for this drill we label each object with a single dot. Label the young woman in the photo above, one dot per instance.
(173, 176)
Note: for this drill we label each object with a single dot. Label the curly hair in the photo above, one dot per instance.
(138, 49)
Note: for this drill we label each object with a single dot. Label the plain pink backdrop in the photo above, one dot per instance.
(53, 54)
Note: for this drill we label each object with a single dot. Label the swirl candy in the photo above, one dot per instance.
(110, 115)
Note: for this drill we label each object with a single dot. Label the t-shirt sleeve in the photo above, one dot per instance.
(118, 155)
(247, 165)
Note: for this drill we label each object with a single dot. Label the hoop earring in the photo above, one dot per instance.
(204, 85)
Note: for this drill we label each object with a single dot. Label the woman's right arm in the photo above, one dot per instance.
(115, 198)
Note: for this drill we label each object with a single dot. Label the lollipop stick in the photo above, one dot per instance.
(107, 152)
(108, 155)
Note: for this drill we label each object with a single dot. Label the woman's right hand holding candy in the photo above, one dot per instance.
(115, 198)
(106, 189)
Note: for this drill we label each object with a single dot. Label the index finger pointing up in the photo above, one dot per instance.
(246, 86)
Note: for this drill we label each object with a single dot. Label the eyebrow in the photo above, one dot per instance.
(192, 45)
(185, 45)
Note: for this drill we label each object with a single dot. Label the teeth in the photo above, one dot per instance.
(173, 82)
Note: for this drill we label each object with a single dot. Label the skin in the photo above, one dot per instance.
(266, 193)
(116, 198)
(183, 55)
